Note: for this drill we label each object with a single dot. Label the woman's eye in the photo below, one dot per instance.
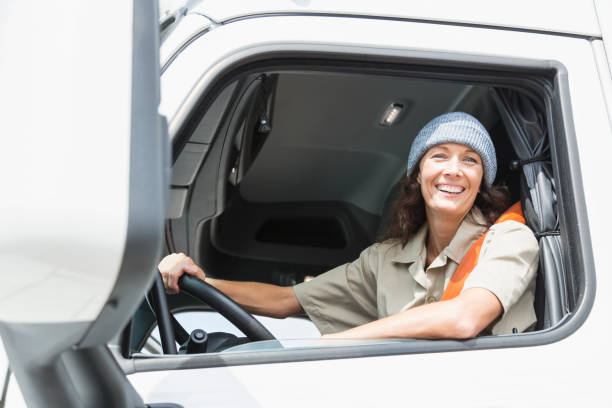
(438, 156)
(471, 160)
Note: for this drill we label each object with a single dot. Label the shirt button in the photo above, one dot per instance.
(431, 299)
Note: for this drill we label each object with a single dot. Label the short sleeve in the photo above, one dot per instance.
(507, 267)
(343, 297)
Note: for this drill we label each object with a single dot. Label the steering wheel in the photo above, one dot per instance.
(232, 311)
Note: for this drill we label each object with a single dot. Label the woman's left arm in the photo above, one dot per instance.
(460, 318)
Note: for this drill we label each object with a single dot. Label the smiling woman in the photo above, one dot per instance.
(393, 289)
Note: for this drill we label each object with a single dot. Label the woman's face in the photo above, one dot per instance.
(450, 175)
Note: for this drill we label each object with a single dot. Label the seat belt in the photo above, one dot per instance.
(470, 259)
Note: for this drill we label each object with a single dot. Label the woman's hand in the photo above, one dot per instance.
(173, 266)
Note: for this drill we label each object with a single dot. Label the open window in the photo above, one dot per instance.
(288, 167)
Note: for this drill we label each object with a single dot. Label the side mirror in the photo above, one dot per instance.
(85, 179)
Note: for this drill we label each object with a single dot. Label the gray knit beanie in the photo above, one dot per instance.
(456, 127)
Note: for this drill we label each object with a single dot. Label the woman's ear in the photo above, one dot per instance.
(418, 178)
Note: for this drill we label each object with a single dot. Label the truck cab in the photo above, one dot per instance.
(266, 142)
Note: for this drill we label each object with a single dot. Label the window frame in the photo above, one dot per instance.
(542, 80)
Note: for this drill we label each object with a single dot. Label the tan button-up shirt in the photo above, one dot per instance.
(387, 279)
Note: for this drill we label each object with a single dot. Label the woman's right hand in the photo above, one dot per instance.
(173, 266)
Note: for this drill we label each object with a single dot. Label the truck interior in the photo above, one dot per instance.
(285, 171)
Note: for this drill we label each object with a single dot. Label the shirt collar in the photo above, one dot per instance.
(413, 248)
(470, 229)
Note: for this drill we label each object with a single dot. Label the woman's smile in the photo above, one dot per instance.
(451, 189)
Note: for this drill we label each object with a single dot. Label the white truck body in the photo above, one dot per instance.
(65, 230)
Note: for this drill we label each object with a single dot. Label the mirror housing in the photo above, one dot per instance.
(86, 165)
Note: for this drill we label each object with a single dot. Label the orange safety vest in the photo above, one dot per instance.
(470, 259)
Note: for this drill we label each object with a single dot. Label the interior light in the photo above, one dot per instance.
(391, 114)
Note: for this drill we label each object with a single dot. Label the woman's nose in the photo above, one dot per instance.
(452, 168)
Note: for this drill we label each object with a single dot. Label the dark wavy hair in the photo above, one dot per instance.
(408, 211)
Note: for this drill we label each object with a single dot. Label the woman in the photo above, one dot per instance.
(394, 288)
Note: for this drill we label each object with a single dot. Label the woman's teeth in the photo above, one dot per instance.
(450, 189)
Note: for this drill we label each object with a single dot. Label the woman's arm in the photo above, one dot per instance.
(460, 318)
(255, 297)
(260, 298)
